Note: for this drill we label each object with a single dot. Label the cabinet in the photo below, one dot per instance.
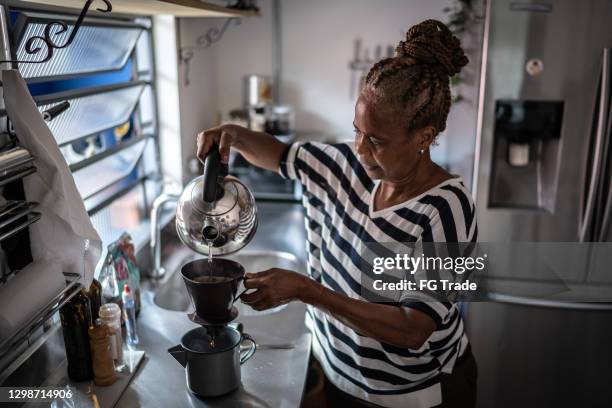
(179, 8)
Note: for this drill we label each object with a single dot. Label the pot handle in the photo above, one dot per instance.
(214, 170)
(249, 353)
(212, 164)
(242, 278)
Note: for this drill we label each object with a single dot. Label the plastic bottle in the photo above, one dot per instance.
(129, 315)
(110, 314)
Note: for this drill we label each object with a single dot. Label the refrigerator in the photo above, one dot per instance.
(542, 175)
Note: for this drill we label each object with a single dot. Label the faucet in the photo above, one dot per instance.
(155, 244)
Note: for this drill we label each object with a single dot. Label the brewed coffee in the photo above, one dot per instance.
(212, 279)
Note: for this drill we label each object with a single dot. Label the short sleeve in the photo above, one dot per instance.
(438, 311)
(431, 303)
(321, 168)
(287, 165)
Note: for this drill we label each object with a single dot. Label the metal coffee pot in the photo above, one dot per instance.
(212, 368)
(216, 212)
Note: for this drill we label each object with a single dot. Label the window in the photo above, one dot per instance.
(108, 136)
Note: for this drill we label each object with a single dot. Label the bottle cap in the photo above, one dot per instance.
(109, 311)
(126, 288)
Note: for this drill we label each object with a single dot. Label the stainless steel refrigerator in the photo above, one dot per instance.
(542, 174)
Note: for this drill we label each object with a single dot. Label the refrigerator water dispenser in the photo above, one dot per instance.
(527, 140)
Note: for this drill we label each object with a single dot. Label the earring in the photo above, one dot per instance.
(421, 151)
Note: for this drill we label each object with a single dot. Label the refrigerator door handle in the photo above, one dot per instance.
(551, 303)
(605, 218)
(604, 89)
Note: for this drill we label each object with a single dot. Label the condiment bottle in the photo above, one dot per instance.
(129, 315)
(110, 314)
(75, 323)
(95, 299)
(102, 355)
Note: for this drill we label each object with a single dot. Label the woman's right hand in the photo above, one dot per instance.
(225, 136)
(258, 148)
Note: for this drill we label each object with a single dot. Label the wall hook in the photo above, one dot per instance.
(203, 41)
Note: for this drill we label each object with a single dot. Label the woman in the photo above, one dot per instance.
(384, 188)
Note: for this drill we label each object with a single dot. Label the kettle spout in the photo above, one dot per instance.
(179, 354)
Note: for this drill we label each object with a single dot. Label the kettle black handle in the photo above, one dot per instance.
(213, 170)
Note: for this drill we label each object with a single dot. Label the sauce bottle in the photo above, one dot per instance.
(75, 319)
(95, 299)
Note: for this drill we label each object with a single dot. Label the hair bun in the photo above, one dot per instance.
(431, 42)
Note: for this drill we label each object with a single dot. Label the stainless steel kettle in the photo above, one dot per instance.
(216, 212)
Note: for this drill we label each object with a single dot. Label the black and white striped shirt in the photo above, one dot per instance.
(338, 197)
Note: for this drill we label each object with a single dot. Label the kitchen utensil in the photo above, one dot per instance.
(193, 316)
(55, 111)
(284, 346)
(8, 206)
(212, 366)
(216, 213)
(12, 160)
(257, 90)
(213, 287)
(281, 123)
(278, 346)
(15, 210)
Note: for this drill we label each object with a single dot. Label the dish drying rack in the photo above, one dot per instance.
(18, 347)
(15, 216)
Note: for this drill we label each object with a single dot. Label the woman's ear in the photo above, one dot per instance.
(426, 136)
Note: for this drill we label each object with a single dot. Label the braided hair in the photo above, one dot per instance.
(415, 82)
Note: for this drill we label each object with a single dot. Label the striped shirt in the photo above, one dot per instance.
(338, 198)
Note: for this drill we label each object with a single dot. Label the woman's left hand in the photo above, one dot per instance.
(274, 287)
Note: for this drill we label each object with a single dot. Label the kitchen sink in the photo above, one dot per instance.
(172, 294)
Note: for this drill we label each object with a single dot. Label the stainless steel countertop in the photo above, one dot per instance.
(271, 378)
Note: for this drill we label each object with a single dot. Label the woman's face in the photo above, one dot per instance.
(385, 149)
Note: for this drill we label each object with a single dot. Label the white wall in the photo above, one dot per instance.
(316, 45)
(457, 143)
(215, 73)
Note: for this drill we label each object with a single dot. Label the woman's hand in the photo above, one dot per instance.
(401, 327)
(274, 287)
(258, 148)
(225, 136)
